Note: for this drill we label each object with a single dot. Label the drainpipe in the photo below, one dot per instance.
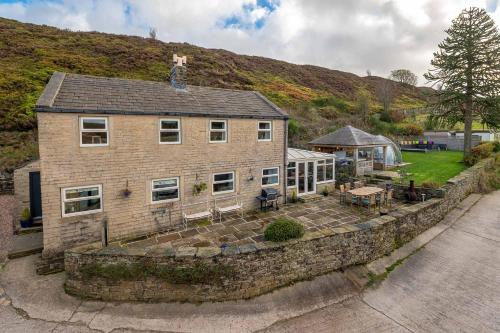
(285, 158)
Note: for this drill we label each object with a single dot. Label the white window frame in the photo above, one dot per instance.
(178, 130)
(295, 178)
(105, 130)
(223, 181)
(269, 176)
(87, 212)
(210, 130)
(325, 165)
(163, 189)
(270, 130)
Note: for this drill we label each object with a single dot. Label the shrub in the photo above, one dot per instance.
(496, 146)
(430, 184)
(479, 152)
(410, 130)
(293, 127)
(282, 230)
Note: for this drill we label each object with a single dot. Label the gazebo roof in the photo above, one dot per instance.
(350, 136)
(300, 154)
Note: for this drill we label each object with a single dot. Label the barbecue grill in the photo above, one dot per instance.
(269, 198)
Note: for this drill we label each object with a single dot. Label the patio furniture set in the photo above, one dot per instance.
(361, 195)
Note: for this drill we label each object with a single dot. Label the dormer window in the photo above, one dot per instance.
(93, 131)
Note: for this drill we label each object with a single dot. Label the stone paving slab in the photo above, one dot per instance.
(236, 230)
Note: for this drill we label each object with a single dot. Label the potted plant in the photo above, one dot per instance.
(26, 220)
(198, 188)
(325, 191)
(293, 198)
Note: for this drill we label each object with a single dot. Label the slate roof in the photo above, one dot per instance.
(74, 93)
(350, 136)
(301, 154)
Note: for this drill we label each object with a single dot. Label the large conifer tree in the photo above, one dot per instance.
(467, 69)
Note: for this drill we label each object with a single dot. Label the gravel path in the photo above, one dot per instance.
(7, 204)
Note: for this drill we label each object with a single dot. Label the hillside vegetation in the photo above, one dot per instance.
(319, 99)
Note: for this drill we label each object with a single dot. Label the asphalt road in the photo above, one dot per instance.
(451, 285)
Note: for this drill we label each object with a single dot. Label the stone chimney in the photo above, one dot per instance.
(178, 74)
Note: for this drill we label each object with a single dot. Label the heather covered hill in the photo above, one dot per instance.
(317, 98)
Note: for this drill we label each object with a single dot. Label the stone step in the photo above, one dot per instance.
(311, 198)
(27, 244)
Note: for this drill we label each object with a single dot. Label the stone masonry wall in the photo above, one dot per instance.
(134, 155)
(259, 268)
(6, 183)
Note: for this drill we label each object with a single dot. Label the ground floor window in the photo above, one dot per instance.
(291, 174)
(81, 200)
(324, 171)
(165, 190)
(223, 183)
(270, 176)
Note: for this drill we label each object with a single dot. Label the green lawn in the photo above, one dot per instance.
(437, 166)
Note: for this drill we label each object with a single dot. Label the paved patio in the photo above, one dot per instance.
(234, 230)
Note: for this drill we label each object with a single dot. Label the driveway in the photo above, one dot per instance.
(451, 285)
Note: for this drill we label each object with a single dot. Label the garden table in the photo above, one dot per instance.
(365, 191)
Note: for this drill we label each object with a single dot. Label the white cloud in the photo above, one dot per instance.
(347, 35)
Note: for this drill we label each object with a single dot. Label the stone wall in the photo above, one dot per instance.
(255, 269)
(6, 183)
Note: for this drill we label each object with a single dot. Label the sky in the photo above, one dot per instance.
(348, 35)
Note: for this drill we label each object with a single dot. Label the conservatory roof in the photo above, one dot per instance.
(350, 136)
(301, 154)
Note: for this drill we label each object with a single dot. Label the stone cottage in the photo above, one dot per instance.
(123, 158)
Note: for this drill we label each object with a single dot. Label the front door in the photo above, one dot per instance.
(305, 175)
(35, 195)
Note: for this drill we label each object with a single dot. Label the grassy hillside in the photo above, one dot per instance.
(318, 98)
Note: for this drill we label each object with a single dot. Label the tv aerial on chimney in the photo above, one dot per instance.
(178, 74)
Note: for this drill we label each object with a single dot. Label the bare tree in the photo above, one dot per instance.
(363, 104)
(368, 72)
(152, 33)
(404, 76)
(385, 94)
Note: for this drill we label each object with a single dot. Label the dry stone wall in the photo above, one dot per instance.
(250, 270)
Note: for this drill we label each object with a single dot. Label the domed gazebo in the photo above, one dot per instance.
(368, 152)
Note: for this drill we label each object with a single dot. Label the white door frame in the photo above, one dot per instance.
(306, 174)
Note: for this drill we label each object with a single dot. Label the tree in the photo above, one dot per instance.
(467, 68)
(363, 104)
(404, 76)
(385, 94)
(152, 33)
(368, 72)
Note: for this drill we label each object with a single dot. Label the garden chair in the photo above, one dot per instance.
(233, 204)
(388, 198)
(342, 194)
(196, 211)
(380, 198)
(368, 202)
